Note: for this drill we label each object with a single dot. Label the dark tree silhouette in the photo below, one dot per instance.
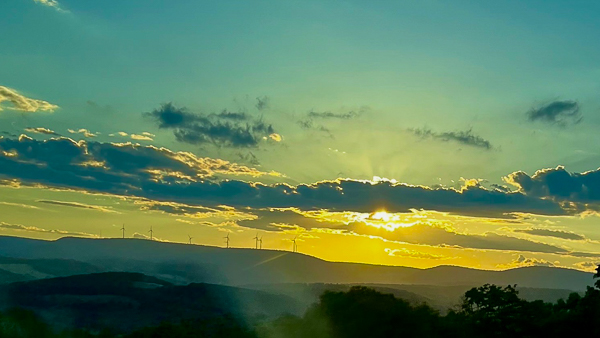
(597, 275)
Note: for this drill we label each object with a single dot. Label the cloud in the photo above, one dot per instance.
(144, 136)
(406, 229)
(196, 212)
(8, 134)
(137, 235)
(22, 103)
(522, 261)
(463, 137)
(49, 3)
(78, 205)
(587, 266)
(84, 132)
(20, 227)
(430, 234)
(412, 254)
(309, 122)
(276, 137)
(225, 129)
(40, 130)
(330, 115)
(552, 233)
(558, 112)
(161, 174)
(262, 103)
(123, 168)
(20, 205)
(559, 184)
(141, 137)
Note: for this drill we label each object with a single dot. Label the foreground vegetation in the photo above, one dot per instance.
(486, 311)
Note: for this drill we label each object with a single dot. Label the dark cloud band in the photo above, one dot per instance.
(559, 184)
(158, 173)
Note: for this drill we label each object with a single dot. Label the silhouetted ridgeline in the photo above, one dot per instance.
(183, 264)
(141, 288)
(137, 306)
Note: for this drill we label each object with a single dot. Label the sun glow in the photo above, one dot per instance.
(385, 220)
(383, 215)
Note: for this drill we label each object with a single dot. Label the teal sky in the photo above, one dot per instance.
(429, 93)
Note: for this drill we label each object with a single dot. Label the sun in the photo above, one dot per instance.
(382, 216)
(384, 220)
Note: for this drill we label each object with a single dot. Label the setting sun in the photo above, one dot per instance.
(388, 221)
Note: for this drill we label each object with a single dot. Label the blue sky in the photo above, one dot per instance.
(425, 93)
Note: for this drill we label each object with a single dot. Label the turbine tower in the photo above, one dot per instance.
(190, 238)
(256, 239)
(123, 228)
(294, 247)
(260, 241)
(151, 232)
(227, 240)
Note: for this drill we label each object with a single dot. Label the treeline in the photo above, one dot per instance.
(486, 311)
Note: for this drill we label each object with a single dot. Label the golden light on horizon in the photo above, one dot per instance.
(385, 220)
(382, 215)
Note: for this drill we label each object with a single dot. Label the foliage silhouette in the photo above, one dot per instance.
(485, 311)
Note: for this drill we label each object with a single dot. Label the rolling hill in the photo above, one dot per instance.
(183, 264)
(127, 301)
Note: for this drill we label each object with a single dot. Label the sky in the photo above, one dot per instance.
(385, 132)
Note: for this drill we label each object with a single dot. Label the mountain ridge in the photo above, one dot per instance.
(185, 263)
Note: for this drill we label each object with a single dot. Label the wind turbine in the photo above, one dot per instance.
(294, 247)
(190, 237)
(256, 239)
(227, 240)
(123, 228)
(260, 240)
(151, 232)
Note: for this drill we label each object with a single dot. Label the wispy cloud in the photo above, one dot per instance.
(84, 132)
(138, 235)
(318, 120)
(22, 103)
(522, 261)
(144, 136)
(409, 228)
(20, 227)
(466, 137)
(330, 115)
(552, 233)
(225, 129)
(78, 205)
(557, 112)
(20, 205)
(412, 254)
(262, 103)
(53, 4)
(41, 130)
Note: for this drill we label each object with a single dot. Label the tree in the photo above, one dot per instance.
(494, 311)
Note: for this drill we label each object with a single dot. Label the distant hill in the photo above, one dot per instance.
(441, 298)
(308, 294)
(183, 263)
(445, 297)
(20, 269)
(127, 301)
